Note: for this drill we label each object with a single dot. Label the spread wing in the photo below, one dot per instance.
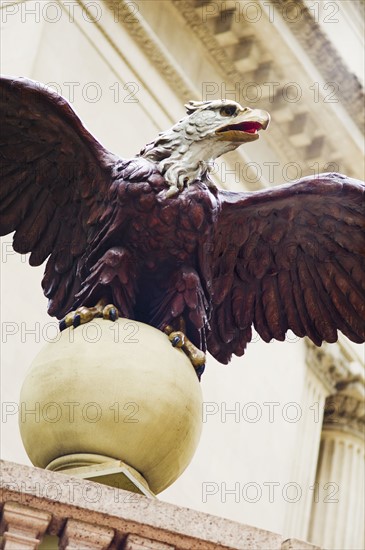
(291, 257)
(55, 180)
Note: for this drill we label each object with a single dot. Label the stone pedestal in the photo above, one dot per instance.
(72, 519)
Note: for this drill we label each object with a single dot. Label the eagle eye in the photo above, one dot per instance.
(228, 110)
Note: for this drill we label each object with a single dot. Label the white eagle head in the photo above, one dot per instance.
(186, 151)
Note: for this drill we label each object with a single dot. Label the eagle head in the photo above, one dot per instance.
(185, 153)
(227, 121)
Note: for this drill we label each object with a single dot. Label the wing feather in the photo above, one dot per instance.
(54, 176)
(295, 260)
(274, 312)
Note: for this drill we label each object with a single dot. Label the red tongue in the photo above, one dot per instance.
(249, 127)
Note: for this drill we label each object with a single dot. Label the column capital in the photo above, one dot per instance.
(345, 410)
(336, 366)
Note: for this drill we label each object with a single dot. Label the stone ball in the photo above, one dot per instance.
(119, 390)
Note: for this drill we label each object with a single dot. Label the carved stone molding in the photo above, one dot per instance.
(345, 411)
(325, 57)
(330, 368)
(80, 534)
(305, 143)
(22, 526)
(134, 542)
(343, 377)
(139, 33)
(306, 146)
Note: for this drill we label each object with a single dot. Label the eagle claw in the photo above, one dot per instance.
(84, 314)
(196, 356)
(77, 321)
(199, 371)
(110, 312)
(176, 341)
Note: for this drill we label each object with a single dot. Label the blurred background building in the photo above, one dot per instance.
(282, 447)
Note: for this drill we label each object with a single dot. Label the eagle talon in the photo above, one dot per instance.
(110, 312)
(84, 315)
(113, 315)
(196, 356)
(175, 341)
(199, 371)
(77, 321)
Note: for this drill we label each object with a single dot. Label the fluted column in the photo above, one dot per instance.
(22, 527)
(327, 366)
(329, 443)
(338, 508)
(305, 464)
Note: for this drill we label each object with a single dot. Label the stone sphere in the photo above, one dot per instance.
(119, 390)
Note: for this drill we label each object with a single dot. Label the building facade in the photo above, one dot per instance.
(283, 442)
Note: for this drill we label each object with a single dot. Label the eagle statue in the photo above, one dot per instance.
(152, 239)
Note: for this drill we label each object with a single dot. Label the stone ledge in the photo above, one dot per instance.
(72, 499)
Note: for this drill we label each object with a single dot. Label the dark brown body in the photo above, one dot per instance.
(290, 257)
(151, 251)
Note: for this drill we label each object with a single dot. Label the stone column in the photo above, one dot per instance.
(325, 368)
(80, 534)
(329, 443)
(337, 518)
(305, 464)
(22, 527)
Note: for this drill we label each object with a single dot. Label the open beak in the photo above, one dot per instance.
(245, 127)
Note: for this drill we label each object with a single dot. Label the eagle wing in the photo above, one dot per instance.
(56, 179)
(291, 257)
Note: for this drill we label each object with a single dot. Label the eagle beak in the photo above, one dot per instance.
(245, 127)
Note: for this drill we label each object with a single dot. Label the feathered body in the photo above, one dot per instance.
(147, 259)
(153, 235)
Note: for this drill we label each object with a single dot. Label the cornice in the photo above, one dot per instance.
(283, 136)
(228, 69)
(326, 58)
(306, 144)
(151, 48)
